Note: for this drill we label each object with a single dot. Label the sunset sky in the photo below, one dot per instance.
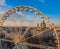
(51, 8)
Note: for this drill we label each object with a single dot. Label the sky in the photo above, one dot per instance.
(51, 8)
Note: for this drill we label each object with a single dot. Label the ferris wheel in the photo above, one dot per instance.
(18, 39)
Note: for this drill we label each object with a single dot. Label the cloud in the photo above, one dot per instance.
(3, 7)
(2, 2)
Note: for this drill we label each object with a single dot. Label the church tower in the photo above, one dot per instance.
(43, 25)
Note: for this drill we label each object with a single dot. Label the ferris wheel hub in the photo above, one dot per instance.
(16, 39)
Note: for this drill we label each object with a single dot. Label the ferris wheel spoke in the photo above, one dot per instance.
(15, 47)
(6, 40)
(37, 45)
(35, 35)
(27, 29)
(32, 45)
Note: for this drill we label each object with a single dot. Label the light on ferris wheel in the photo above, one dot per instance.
(6, 14)
(21, 8)
(26, 8)
(41, 15)
(4, 18)
(9, 12)
(31, 9)
(1, 24)
(13, 10)
(47, 20)
(17, 8)
(1, 21)
(37, 12)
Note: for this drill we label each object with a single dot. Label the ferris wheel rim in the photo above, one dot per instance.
(16, 10)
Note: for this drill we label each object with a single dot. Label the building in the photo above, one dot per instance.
(43, 25)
